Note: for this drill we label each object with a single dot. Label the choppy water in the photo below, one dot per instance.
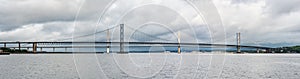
(184, 66)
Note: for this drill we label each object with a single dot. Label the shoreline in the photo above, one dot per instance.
(199, 53)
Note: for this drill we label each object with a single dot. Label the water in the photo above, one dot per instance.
(63, 66)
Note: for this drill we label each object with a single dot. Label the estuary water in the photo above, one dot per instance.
(143, 65)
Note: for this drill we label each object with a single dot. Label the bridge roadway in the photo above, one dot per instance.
(66, 45)
(140, 43)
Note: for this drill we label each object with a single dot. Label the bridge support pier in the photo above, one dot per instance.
(268, 51)
(65, 49)
(34, 47)
(107, 50)
(273, 50)
(179, 50)
(19, 45)
(178, 39)
(4, 45)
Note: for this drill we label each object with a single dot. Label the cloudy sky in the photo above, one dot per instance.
(261, 22)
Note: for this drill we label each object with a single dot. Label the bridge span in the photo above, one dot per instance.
(121, 44)
(35, 45)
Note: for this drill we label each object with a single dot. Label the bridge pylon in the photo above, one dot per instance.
(178, 48)
(238, 37)
(122, 39)
(108, 40)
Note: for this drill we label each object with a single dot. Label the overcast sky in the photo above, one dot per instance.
(261, 22)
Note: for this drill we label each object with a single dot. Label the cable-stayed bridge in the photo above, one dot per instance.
(124, 46)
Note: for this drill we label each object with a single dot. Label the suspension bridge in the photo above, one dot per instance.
(121, 45)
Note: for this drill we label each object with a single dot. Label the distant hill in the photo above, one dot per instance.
(292, 49)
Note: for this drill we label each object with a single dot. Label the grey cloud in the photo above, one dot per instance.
(280, 7)
(243, 1)
(30, 32)
(16, 13)
(62, 27)
(55, 19)
(20, 13)
(263, 22)
(170, 17)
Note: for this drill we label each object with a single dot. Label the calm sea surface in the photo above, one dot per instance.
(135, 66)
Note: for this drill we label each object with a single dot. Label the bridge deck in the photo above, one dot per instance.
(144, 43)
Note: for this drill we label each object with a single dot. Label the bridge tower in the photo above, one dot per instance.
(238, 37)
(122, 38)
(108, 40)
(178, 39)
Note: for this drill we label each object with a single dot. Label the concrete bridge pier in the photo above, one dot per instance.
(34, 47)
(107, 49)
(65, 49)
(53, 49)
(178, 48)
(268, 50)
(4, 45)
(19, 45)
